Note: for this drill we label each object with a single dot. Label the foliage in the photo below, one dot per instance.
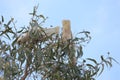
(49, 56)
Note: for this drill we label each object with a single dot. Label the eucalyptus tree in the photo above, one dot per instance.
(45, 53)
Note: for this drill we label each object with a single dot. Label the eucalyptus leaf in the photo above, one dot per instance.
(2, 18)
(93, 60)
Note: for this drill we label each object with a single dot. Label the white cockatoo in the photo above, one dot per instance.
(35, 29)
(66, 30)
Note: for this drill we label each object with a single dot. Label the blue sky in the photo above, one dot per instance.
(100, 17)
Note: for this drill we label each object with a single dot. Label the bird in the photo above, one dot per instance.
(66, 30)
(67, 40)
(31, 33)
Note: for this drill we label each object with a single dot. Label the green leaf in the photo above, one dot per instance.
(7, 36)
(79, 52)
(109, 63)
(96, 71)
(102, 58)
(10, 21)
(20, 30)
(34, 10)
(89, 65)
(102, 68)
(2, 18)
(41, 16)
(87, 32)
(113, 60)
(93, 60)
(31, 13)
(14, 41)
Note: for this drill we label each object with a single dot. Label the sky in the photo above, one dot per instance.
(100, 17)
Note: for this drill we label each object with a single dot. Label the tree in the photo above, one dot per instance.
(46, 53)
